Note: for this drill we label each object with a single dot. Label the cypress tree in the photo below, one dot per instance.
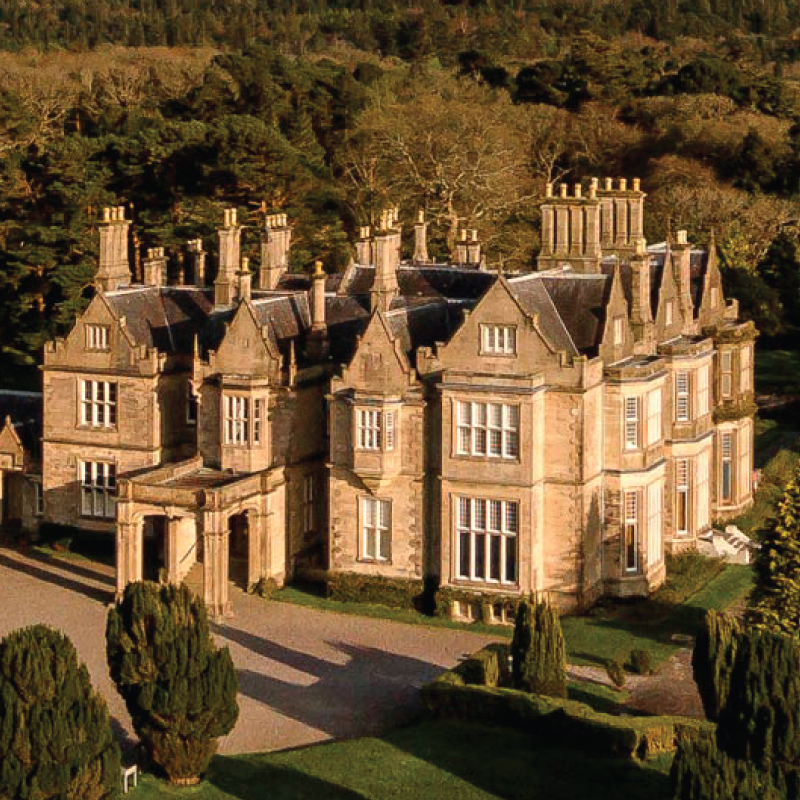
(55, 733)
(712, 660)
(180, 689)
(539, 661)
(775, 601)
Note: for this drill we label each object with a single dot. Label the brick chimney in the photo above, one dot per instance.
(155, 267)
(114, 268)
(275, 243)
(420, 240)
(229, 246)
(387, 258)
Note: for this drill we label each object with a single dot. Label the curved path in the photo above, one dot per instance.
(305, 675)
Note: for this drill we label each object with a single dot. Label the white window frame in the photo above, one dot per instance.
(486, 540)
(487, 430)
(98, 403)
(499, 340)
(655, 551)
(237, 420)
(98, 484)
(727, 465)
(703, 377)
(631, 422)
(683, 497)
(654, 432)
(630, 531)
(683, 396)
(258, 420)
(376, 530)
(97, 336)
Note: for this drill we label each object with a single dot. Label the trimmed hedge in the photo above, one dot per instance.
(351, 587)
(473, 691)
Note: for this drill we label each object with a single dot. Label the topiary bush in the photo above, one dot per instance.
(539, 661)
(180, 690)
(55, 732)
(641, 662)
(616, 672)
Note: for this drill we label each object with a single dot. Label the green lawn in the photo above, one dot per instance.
(441, 760)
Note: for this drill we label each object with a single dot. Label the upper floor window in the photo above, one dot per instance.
(682, 401)
(237, 419)
(499, 339)
(726, 372)
(745, 370)
(487, 429)
(375, 429)
(99, 403)
(631, 423)
(97, 337)
(653, 417)
(486, 535)
(98, 489)
(702, 391)
(376, 529)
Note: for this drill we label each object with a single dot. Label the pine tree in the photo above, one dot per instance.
(775, 600)
(539, 660)
(180, 689)
(55, 733)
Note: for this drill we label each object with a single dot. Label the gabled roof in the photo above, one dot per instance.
(25, 411)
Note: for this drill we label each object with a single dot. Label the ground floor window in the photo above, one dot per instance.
(98, 489)
(486, 533)
(726, 468)
(376, 529)
(682, 496)
(631, 532)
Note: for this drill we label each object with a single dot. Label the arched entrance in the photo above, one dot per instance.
(239, 549)
(154, 548)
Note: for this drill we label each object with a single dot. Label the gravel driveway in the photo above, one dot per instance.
(305, 675)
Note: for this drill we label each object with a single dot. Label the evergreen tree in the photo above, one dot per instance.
(55, 733)
(539, 660)
(712, 660)
(775, 600)
(180, 689)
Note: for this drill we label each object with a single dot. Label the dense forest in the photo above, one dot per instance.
(330, 110)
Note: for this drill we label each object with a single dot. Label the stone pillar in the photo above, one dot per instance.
(171, 534)
(548, 230)
(256, 565)
(129, 548)
(215, 564)
(421, 240)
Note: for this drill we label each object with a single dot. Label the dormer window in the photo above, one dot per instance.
(619, 331)
(669, 312)
(714, 299)
(97, 337)
(243, 420)
(499, 340)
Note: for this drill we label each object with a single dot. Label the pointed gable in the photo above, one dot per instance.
(668, 315)
(247, 348)
(12, 453)
(712, 299)
(617, 337)
(379, 364)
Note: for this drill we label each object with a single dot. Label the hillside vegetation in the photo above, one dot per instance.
(329, 111)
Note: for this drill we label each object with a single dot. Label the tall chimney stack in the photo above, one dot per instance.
(275, 244)
(114, 267)
(155, 267)
(387, 258)
(229, 259)
(364, 246)
(420, 239)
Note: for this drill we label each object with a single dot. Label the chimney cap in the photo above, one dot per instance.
(420, 216)
(637, 184)
(548, 189)
(319, 272)
(563, 187)
(578, 190)
(683, 237)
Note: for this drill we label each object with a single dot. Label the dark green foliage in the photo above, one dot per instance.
(537, 649)
(713, 659)
(775, 601)
(391, 592)
(616, 672)
(55, 732)
(180, 690)
(641, 662)
(265, 588)
(487, 667)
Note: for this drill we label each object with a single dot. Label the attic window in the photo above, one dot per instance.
(668, 313)
(714, 299)
(97, 337)
(499, 340)
(618, 331)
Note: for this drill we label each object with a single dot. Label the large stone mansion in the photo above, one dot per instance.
(555, 431)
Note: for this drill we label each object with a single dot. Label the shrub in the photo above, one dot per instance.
(487, 667)
(351, 587)
(713, 659)
(180, 690)
(537, 649)
(55, 732)
(641, 662)
(265, 588)
(616, 672)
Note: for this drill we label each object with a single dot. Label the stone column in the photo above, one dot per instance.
(171, 533)
(256, 566)
(129, 537)
(215, 564)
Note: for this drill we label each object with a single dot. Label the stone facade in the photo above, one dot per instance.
(553, 432)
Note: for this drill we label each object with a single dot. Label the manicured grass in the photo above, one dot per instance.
(441, 760)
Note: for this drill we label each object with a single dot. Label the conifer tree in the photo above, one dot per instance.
(538, 655)
(713, 659)
(775, 600)
(55, 733)
(180, 689)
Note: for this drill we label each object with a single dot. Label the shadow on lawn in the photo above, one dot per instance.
(371, 691)
(239, 777)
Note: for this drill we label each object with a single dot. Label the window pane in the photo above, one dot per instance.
(511, 559)
(494, 557)
(480, 515)
(464, 554)
(480, 555)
